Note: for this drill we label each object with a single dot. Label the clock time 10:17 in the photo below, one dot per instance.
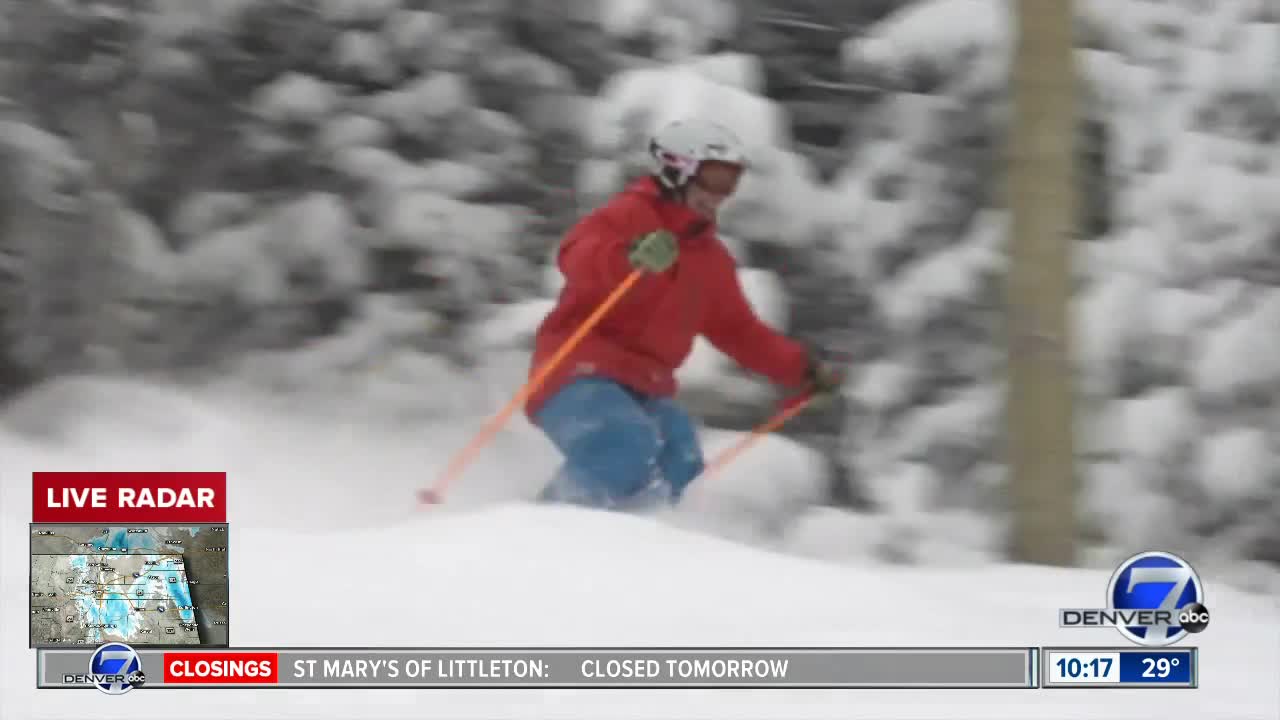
(1075, 667)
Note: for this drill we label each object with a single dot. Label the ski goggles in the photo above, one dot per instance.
(718, 178)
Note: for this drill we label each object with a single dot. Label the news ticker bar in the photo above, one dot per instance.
(355, 668)
(827, 668)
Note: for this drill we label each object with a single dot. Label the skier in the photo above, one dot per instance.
(608, 407)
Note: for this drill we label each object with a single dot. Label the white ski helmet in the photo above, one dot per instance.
(679, 149)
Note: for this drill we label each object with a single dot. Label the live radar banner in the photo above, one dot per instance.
(117, 668)
(129, 497)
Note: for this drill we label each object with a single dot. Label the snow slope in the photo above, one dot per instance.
(509, 574)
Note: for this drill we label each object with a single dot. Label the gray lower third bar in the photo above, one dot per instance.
(582, 668)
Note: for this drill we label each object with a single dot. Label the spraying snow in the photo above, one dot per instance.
(328, 494)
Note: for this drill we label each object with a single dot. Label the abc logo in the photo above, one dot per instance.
(1194, 617)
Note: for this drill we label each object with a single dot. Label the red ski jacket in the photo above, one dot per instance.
(648, 334)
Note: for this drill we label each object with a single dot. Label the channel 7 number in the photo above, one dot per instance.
(1193, 617)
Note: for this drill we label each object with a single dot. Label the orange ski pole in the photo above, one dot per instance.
(435, 493)
(780, 418)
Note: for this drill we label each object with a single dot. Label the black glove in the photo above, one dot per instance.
(823, 380)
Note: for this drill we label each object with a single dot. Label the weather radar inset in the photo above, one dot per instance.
(144, 585)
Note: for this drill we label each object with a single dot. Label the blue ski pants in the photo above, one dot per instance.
(622, 450)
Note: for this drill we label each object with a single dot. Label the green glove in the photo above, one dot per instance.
(654, 252)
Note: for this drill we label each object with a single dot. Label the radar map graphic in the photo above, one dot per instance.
(153, 585)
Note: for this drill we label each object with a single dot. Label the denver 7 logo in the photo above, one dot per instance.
(110, 667)
(1155, 581)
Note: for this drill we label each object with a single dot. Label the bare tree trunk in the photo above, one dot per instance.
(1041, 196)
